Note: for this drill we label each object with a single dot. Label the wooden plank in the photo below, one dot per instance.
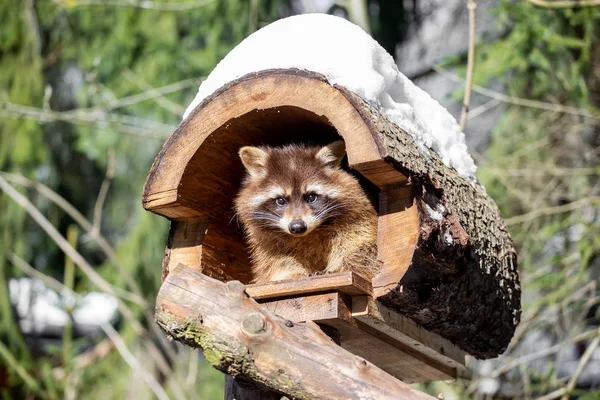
(381, 173)
(333, 309)
(389, 355)
(345, 282)
(407, 332)
(185, 244)
(316, 307)
(241, 337)
(395, 246)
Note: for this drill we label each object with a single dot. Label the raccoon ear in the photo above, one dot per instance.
(332, 154)
(254, 159)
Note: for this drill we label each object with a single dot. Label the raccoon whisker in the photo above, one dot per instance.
(329, 210)
(265, 219)
(234, 217)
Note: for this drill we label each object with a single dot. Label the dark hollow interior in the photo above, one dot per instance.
(212, 179)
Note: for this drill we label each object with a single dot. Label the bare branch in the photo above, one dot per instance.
(110, 172)
(114, 337)
(565, 3)
(133, 362)
(10, 360)
(543, 353)
(85, 267)
(145, 4)
(552, 210)
(102, 116)
(160, 99)
(516, 100)
(582, 363)
(472, 6)
(82, 222)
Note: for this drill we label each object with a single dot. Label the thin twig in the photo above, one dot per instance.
(82, 361)
(516, 100)
(101, 116)
(133, 362)
(582, 363)
(10, 360)
(83, 223)
(553, 395)
(551, 210)
(145, 4)
(252, 16)
(106, 248)
(161, 100)
(472, 6)
(565, 3)
(543, 353)
(110, 172)
(60, 240)
(19, 112)
(190, 380)
(110, 332)
(482, 109)
(33, 28)
(359, 13)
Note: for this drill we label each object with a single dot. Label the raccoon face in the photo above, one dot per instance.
(292, 189)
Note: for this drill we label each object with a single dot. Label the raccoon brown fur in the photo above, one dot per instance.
(302, 214)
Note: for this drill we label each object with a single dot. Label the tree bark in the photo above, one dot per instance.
(463, 281)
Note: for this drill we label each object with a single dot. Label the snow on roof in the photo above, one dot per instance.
(346, 55)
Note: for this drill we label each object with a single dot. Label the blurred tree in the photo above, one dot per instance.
(76, 86)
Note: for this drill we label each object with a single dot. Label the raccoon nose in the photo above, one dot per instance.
(297, 226)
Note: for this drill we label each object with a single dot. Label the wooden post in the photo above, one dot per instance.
(233, 391)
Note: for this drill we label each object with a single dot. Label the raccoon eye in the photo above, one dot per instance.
(311, 198)
(280, 201)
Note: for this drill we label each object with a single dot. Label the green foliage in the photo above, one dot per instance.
(58, 56)
(540, 161)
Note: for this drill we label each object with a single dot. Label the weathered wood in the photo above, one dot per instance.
(401, 360)
(397, 234)
(316, 307)
(392, 342)
(345, 282)
(242, 339)
(447, 258)
(184, 244)
(405, 330)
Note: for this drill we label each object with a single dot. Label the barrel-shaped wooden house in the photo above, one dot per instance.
(448, 282)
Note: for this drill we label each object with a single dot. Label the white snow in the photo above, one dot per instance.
(437, 214)
(346, 55)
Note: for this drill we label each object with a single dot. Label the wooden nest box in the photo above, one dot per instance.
(449, 282)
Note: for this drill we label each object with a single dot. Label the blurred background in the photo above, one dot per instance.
(90, 89)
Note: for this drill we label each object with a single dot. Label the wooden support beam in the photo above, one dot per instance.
(242, 339)
(400, 349)
(345, 282)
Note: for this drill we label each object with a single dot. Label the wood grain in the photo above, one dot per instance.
(397, 235)
(242, 339)
(345, 282)
(396, 357)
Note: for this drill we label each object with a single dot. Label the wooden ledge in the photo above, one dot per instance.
(345, 282)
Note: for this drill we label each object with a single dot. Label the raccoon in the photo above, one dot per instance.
(304, 215)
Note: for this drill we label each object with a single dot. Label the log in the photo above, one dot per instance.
(258, 348)
(448, 261)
